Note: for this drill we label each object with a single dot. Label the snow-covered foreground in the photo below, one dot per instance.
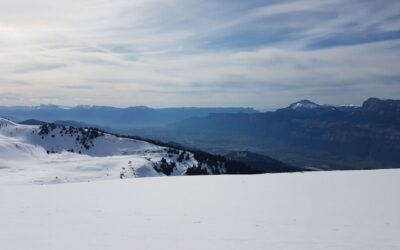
(319, 210)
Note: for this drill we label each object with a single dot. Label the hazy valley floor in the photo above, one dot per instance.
(319, 210)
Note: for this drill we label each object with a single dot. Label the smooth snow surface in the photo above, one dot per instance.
(318, 210)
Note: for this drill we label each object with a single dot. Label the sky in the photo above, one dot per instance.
(262, 54)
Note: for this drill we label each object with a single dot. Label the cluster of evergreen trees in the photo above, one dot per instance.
(164, 167)
(87, 135)
(47, 128)
(84, 136)
(196, 170)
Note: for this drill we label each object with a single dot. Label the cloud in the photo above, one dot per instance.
(79, 87)
(206, 53)
(39, 67)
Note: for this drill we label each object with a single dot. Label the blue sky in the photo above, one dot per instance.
(263, 54)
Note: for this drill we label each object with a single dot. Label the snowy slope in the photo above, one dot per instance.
(55, 154)
(348, 210)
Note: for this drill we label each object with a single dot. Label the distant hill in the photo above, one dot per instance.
(263, 162)
(32, 122)
(58, 122)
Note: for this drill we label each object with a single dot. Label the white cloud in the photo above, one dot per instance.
(166, 53)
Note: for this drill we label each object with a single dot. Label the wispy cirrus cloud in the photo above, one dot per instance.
(208, 53)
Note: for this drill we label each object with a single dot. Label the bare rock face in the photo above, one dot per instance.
(381, 106)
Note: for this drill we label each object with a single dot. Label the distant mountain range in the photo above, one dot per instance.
(303, 134)
(132, 117)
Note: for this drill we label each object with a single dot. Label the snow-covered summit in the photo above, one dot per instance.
(304, 104)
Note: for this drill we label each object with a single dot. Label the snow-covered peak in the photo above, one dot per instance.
(52, 106)
(304, 104)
